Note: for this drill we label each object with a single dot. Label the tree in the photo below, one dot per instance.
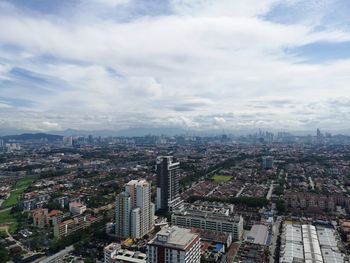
(4, 255)
(280, 205)
(90, 260)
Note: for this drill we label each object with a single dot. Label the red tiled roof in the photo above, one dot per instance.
(54, 212)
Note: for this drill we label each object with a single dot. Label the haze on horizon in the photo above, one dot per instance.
(193, 64)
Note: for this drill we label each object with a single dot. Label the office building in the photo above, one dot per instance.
(174, 244)
(134, 210)
(168, 197)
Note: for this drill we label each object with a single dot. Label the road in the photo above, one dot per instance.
(311, 183)
(240, 191)
(10, 237)
(212, 191)
(275, 231)
(269, 193)
(6, 209)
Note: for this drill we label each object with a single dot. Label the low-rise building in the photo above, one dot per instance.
(36, 202)
(292, 250)
(72, 225)
(63, 201)
(329, 242)
(113, 253)
(309, 243)
(40, 217)
(258, 234)
(219, 220)
(77, 208)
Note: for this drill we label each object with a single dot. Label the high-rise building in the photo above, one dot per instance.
(319, 136)
(174, 244)
(122, 215)
(68, 140)
(134, 210)
(267, 162)
(168, 197)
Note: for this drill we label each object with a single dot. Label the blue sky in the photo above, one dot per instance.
(195, 64)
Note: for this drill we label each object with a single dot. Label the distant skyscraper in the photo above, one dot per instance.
(68, 140)
(319, 136)
(168, 197)
(134, 210)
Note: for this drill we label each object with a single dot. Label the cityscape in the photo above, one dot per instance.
(174, 131)
(262, 197)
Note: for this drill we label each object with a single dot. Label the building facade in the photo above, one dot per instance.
(174, 245)
(122, 214)
(267, 162)
(209, 220)
(168, 197)
(70, 226)
(77, 208)
(134, 210)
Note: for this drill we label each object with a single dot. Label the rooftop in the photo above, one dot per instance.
(174, 237)
(258, 234)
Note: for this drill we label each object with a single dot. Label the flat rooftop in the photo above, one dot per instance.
(174, 237)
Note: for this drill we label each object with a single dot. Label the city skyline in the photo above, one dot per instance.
(195, 65)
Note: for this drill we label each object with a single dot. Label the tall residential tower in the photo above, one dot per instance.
(168, 197)
(134, 210)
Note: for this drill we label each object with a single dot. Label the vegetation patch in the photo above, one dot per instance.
(16, 193)
(24, 183)
(7, 218)
(221, 178)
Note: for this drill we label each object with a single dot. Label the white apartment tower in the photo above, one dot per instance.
(134, 210)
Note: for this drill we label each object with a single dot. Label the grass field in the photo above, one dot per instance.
(24, 183)
(7, 218)
(221, 178)
(19, 188)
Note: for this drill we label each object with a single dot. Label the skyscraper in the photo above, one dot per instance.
(319, 136)
(168, 197)
(134, 210)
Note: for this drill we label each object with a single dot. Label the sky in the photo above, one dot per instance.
(193, 64)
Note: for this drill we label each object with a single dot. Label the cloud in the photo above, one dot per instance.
(50, 125)
(196, 63)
